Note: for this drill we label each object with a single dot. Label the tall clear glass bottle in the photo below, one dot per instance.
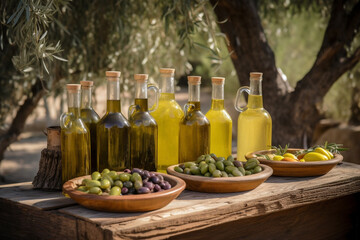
(75, 138)
(144, 129)
(113, 130)
(194, 136)
(167, 116)
(254, 122)
(90, 118)
(220, 120)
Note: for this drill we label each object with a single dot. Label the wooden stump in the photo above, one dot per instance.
(49, 174)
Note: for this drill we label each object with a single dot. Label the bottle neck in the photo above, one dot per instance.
(113, 88)
(167, 83)
(141, 90)
(194, 93)
(73, 98)
(255, 98)
(86, 97)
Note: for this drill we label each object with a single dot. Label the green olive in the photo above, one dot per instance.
(135, 177)
(230, 158)
(95, 190)
(221, 159)
(83, 189)
(187, 171)
(106, 176)
(115, 191)
(138, 184)
(224, 174)
(249, 165)
(93, 183)
(105, 183)
(124, 177)
(84, 181)
(204, 169)
(118, 183)
(228, 163)
(112, 174)
(212, 168)
(242, 170)
(257, 169)
(229, 169)
(95, 175)
(201, 158)
(236, 173)
(105, 171)
(195, 170)
(178, 169)
(189, 164)
(220, 165)
(247, 173)
(216, 173)
(207, 174)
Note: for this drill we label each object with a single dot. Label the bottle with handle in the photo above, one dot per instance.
(90, 118)
(75, 138)
(220, 120)
(144, 129)
(254, 122)
(113, 130)
(168, 116)
(194, 136)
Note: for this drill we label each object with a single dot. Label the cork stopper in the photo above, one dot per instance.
(167, 71)
(113, 74)
(218, 80)
(86, 84)
(73, 87)
(195, 80)
(141, 77)
(256, 75)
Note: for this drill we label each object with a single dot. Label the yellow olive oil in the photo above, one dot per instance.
(143, 137)
(254, 122)
(113, 138)
(75, 138)
(221, 128)
(168, 116)
(194, 139)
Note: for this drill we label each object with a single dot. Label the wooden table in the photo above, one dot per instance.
(325, 207)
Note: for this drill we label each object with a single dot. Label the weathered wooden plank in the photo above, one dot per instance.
(19, 221)
(25, 194)
(275, 194)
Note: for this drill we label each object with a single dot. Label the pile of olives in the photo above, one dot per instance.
(129, 182)
(212, 166)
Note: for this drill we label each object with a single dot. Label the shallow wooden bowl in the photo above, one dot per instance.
(125, 203)
(222, 184)
(297, 169)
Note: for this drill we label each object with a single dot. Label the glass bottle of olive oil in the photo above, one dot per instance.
(90, 118)
(220, 120)
(254, 122)
(167, 116)
(75, 138)
(194, 136)
(144, 129)
(113, 130)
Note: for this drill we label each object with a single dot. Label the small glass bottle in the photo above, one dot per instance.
(113, 130)
(144, 129)
(254, 122)
(168, 116)
(90, 118)
(194, 136)
(220, 120)
(75, 138)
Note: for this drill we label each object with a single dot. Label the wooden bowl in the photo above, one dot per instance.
(125, 203)
(222, 184)
(297, 169)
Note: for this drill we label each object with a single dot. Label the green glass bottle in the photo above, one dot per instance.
(168, 116)
(75, 138)
(220, 120)
(90, 118)
(144, 130)
(113, 130)
(194, 137)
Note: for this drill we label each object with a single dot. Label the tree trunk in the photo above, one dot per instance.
(24, 111)
(294, 113)
(355, 107)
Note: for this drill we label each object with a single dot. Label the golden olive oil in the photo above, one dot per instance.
(254, 128)
(221, 128)
(143, 137)
(168, 116)
(194, 139)
(113, 138)
(75, 138)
